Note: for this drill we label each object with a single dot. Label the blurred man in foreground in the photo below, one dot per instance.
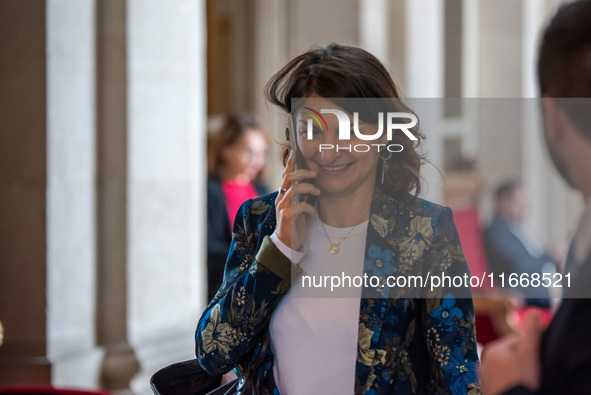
(557, 360)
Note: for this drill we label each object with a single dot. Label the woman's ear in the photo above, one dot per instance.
(383, 139)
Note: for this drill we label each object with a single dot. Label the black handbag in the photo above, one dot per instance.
(189, 378)
(184, 378)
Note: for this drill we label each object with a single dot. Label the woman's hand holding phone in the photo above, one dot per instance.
(291, 208)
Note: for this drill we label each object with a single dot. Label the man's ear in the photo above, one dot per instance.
(553, 119)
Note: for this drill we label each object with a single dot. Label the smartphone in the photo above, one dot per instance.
(290, 133)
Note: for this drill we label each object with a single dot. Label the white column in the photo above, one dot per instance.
(471, 47)
(271, 47)
(424, 80)
(534, 164)
(533, 19)
(424, 48)
(535, 167)
(166, 180)
(501, 48)
(500, 76)
(373, 28)
(396, 45)
(71, 193)
(119, 364)
(470, 66)
(315, 23)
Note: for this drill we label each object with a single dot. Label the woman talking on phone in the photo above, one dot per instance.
(347, 204)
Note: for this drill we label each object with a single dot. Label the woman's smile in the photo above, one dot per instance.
(334, 170)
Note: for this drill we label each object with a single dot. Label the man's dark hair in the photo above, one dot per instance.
(564, 63)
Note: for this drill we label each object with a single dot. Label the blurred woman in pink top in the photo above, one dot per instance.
(236, 159)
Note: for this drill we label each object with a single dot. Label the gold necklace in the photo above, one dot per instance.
(335, 247)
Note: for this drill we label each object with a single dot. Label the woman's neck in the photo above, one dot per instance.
(345, 211)
(234, 178)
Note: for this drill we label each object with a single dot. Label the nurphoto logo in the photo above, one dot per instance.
(393, 123)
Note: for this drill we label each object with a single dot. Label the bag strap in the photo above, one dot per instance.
(260, 358)
(249, 372)
(253, 365)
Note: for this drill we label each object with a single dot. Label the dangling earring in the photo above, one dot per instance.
(385, 164)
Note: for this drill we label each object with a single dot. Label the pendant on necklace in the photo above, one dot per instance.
(334, 249)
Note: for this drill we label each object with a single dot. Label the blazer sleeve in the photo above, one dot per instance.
(257, 275)
(448, 322)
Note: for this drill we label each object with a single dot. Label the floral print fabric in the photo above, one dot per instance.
(406, 345)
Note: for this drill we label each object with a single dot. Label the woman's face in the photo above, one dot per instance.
(245, 158)
(340, 172)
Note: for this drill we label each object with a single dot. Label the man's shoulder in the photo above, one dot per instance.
(496, 224)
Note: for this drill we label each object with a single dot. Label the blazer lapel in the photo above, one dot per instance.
(379, 261)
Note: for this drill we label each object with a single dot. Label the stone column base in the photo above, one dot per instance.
(119, 366)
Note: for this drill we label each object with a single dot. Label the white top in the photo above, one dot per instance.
(314, 339)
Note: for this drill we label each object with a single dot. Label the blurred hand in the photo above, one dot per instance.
(230, 376)
(559, 252)
(513, 360)
(288, 207)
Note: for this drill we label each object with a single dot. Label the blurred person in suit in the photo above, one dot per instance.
(236, 157)
(557, 359)
(510, 248)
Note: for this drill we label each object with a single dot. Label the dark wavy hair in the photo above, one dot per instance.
(338, 71)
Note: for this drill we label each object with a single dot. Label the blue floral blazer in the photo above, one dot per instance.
(405, 345)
